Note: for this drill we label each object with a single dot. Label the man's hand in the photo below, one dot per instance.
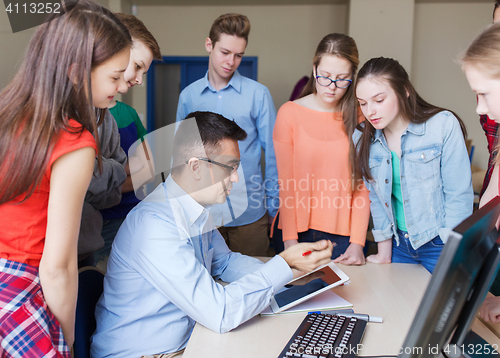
(321, 252)
(490, 309)
(352, 256)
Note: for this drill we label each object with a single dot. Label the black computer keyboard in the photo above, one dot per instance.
(325, 336)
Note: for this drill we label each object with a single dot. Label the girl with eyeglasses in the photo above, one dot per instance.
(414, 161)
(318, 197)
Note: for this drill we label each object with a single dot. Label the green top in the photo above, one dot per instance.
(125, 116)
(397, 196)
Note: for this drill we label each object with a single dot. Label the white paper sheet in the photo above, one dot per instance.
(327, 300)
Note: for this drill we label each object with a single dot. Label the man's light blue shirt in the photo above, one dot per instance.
(251, 106)
(159, 279)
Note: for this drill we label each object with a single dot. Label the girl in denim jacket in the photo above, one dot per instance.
(414, 161)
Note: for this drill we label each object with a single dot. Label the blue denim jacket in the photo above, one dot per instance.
(435, 180)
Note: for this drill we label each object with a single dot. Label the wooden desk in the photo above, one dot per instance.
(392, 292)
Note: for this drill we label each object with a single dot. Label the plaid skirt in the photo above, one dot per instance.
(27, 327)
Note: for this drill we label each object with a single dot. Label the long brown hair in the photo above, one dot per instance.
(342, 46)
(412, 107)
(51, 87)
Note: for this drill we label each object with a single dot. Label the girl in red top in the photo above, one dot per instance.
(74, 62)
(312, 140)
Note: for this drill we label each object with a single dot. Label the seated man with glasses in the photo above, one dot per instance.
(159, 281)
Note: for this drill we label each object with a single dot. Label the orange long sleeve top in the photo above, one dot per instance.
(316, 188)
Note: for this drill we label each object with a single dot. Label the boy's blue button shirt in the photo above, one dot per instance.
(159, 281)
(251, 106)
(436, 180)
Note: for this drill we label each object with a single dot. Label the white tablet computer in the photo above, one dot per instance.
(304, 287)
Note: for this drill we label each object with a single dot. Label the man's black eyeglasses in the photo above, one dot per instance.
(211, 161)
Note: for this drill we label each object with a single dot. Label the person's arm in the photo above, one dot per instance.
(360, 216)
(144, 175)
(360, 213)
(382, 229)
(265, 125)
(140, 163)
(105, 187)
(381, 225)
(284, 146)
(167, 258)
(458, 192)
(58, 271)
(230, 266)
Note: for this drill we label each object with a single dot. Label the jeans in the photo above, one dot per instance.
(311, 235)
(427, 255)
(108, 233)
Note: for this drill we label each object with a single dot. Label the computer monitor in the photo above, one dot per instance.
(462, 277)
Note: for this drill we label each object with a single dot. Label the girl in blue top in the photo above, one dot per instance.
(414, 161)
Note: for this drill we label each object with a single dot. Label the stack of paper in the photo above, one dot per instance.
(327, 300)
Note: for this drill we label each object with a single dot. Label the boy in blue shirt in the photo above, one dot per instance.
(244, 220)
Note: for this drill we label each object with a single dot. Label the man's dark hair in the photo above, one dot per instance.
(200, 134)
(214, 127)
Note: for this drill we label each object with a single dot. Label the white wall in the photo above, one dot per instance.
(383, 28)
(283, 37)
(12, 49)
(442, 32)
(13, 46)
